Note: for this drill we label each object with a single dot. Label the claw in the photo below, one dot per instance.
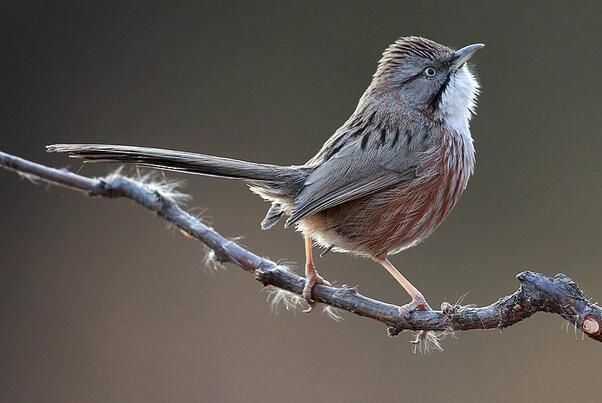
(311, 280)
(418, 303)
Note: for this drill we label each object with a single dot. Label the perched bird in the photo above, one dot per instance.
(382, 183)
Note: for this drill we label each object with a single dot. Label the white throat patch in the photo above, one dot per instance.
(458, 102)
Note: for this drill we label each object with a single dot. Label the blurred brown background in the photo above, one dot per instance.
(99, 302)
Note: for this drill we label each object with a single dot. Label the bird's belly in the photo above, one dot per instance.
(365, 229)
(388, 222)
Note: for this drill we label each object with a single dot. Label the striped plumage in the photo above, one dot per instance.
(399, 50)
(400, 216)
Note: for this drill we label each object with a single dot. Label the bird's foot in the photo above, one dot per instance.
(311, 280)
(418, 304)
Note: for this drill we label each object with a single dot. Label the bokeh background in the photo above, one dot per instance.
(100, 302)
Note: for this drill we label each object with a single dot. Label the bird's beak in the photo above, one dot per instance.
(463, 55)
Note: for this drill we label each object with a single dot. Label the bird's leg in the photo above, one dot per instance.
(311, 274)
(418, 302)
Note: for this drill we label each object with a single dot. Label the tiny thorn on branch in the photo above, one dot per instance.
(537, 292)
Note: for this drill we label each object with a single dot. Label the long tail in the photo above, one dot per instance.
(181, 161)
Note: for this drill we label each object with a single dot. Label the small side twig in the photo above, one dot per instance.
(537, 292)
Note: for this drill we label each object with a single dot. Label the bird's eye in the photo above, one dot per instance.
(430, 72)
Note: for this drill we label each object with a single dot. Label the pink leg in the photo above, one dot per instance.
(311, 274)
(418, 301)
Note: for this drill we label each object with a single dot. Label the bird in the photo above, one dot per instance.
(382, 183)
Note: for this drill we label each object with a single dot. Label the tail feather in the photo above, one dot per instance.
(273, 215)
(181, 161)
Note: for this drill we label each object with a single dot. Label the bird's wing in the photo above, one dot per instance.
(361, 167)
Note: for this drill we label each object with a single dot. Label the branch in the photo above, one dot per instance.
(537, 292)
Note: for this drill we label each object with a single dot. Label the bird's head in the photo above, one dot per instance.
(428, 78)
